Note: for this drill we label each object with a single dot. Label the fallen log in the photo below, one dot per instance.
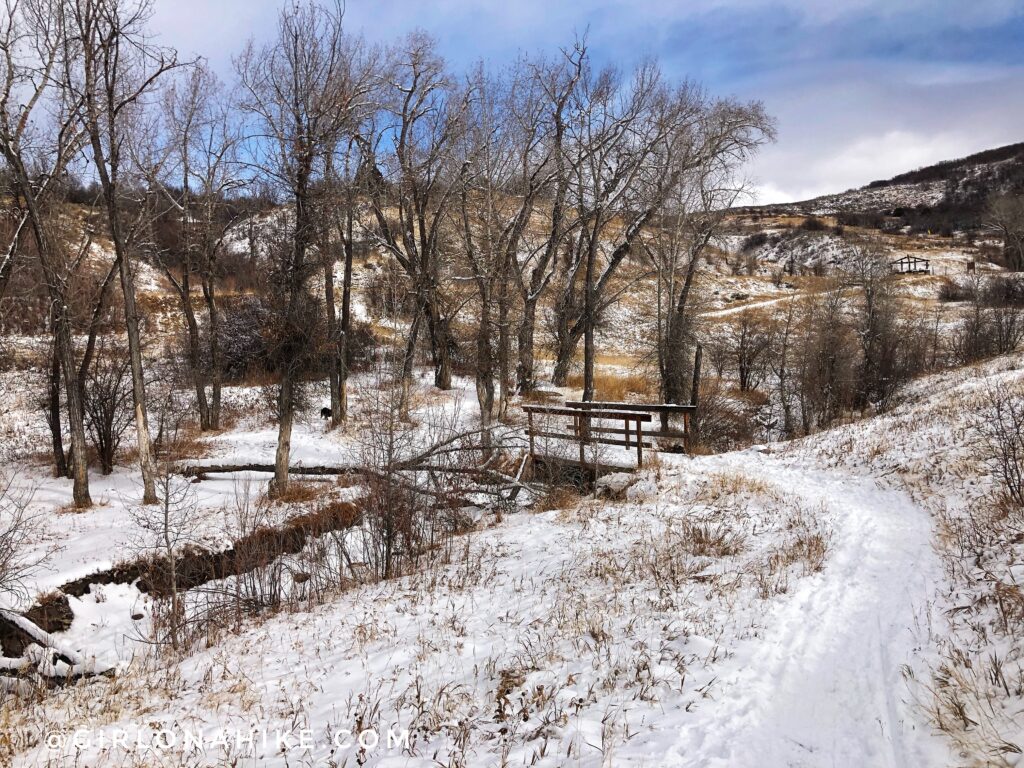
(196, 470)
(32, 655)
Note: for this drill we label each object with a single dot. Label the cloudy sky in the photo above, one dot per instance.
(861, 89)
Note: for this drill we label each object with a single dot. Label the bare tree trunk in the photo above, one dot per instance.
(195, 358)
(213, 315)
(60, 463)
(589, 310)
(407, 366)
(675, 368)
(485, 368)
(7, 258)
(103, 78)
(346, 314)
(286, 416)
(336, 343)
(440, 344)
(63, 342)
(526, 376)
(131, 316)
(568, 339)
(504, 349)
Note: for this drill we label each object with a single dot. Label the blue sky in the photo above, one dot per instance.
(861, 89)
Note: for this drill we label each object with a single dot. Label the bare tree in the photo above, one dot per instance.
(169, 527)
(107, 400)
(747, 342)
(196, 172)
(780, 363)
(410, 174)
(344, 183)
(504, 170)
(881, 368)
(34, 48)
(297, 93)
(635, 146)
(826, 357)
(556, 82)
(116, 69)
(20, 554)
(1004, 216)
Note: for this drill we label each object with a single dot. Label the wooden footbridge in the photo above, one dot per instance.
(571, 434)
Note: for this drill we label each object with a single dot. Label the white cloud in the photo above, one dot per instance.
(842, 123)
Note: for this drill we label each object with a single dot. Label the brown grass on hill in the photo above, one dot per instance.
(618, 387)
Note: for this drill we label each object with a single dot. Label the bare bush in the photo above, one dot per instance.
(1001, 427)
(169, 527)
(108, 402)
(412, 475)
(20, 556)
(722, 423)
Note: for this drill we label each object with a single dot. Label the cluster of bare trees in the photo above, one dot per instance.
(1004, 217)
(74, 76)
(503, 198)
(806, 362)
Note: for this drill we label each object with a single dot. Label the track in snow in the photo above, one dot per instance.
(823, 685)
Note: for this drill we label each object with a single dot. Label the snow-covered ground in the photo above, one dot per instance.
(601, 634)
(787, 605)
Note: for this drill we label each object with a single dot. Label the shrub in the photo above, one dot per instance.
(1004, 291)
(751, 242)
(108, 401)
(813, 224)
(1001, 428)
(950, 290)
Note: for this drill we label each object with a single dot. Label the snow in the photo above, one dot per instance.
(823, 685)
(556, 618)
(601, 633)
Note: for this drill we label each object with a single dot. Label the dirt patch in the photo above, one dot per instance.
(51, 613)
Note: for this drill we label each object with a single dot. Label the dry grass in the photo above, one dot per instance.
(804, 550)
(618, 387)
(299, 492)
(708, 539)
(558, 497)
(188, 443)
(722, 484)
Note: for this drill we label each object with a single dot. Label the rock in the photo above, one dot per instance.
(642, 490)
(614, 486)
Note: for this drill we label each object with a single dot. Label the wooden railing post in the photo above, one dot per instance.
(580, 432)
(529, 422)
(639, 443)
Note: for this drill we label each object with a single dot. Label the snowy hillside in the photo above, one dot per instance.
(784, 605)
(727, 610)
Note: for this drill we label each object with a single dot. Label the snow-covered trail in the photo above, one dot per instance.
(823, 686)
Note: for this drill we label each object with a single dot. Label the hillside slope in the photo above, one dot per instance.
(952, 192)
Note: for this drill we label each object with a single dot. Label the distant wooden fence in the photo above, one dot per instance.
(911, 265)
